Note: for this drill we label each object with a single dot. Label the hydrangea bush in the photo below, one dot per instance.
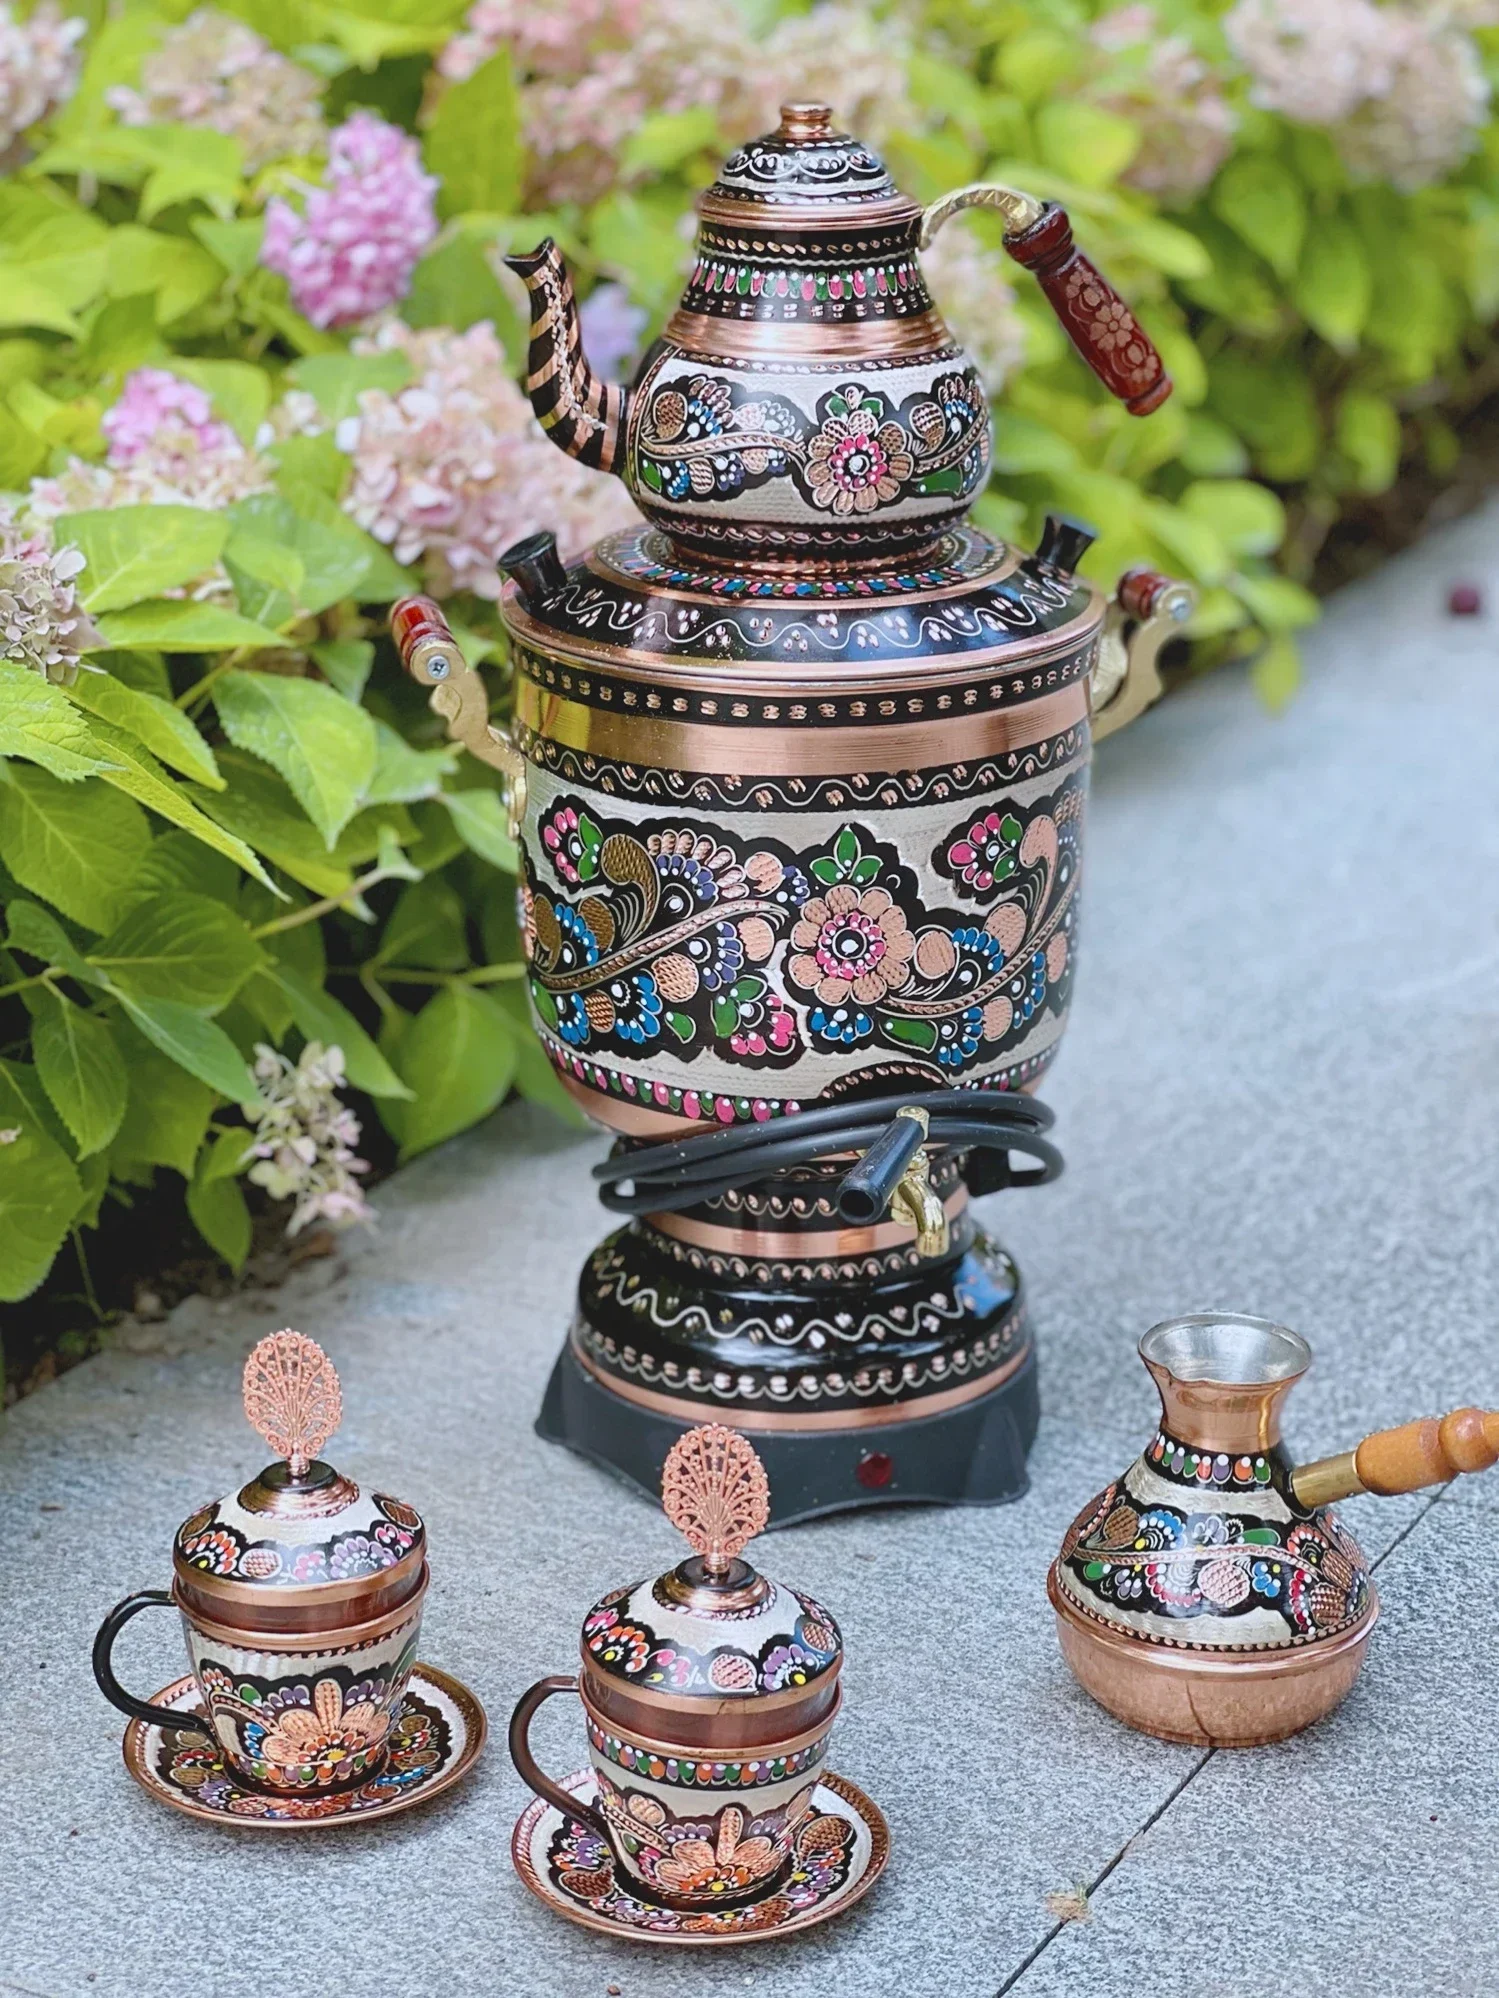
(258, 377)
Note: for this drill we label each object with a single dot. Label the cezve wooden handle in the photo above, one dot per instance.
(1427, 1452)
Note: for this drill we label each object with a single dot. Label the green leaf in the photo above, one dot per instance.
(137, 773)
(426, 927)
(1277, 672)
(1090, 145)
(1261, 200)
(725, 1016)
(179, 626)
(824, 870)
(267, 578)
(75, 845)
(1278, 603)
(38, 721)
(40, 1192)
(257, 808)
(322, 1018)
(1247, 518)
(479, 818)
(668, 138)
(333, 553)
(180, 863)
(236, 245)
(37, 932)
(167, 1110)
(458, 1058)
(141, 551)
(455, 285)
(194, 1043)
(218, 1211)
(473, 141)
(336, 381)
(1368, 435)
(405, 774)
(177, 273)
(182, 946)
(321, 744)
(225, 1154)
(846, 848)
(26, 300)
(82, 1071)
(346, 663)
(164, 729)
(864, 871)
(1334, 285)
(682, 1025)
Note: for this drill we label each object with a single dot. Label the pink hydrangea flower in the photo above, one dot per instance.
(216, 72)
(39, 64)
(454, 467)
(153, 401)
(353, 248)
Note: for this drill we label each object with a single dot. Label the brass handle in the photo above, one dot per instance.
(1417, 1454)
(1021, 211)
(431, 655)
(1146, 610)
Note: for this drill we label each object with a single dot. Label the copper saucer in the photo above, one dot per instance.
(436, 1741)
(841, 1850)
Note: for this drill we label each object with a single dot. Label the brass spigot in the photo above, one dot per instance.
(915, 1200)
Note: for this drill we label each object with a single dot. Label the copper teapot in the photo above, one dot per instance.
(1212, 1595)
(806, 398)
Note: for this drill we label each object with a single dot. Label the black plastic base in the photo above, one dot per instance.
(970, 1455)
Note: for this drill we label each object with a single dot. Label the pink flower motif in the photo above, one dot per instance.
(353, 249)
(772, 1033)
(153, 401)
(986, 855)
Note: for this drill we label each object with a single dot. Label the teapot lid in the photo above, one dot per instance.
(806, 171)
(713, 1627)
(299, 1532)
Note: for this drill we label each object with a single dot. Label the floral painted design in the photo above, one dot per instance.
(686, 941)
(572, 841)
(626, 1647)
(307, 1734)
(419, 1745)
(855, 462)
(1173, 1562)
(205, 1541)
(702, 437)
(986, 852)
(582, 1866)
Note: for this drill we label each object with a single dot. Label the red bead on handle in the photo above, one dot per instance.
(1097, 321)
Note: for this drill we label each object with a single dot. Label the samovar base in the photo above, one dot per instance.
(965, 1445)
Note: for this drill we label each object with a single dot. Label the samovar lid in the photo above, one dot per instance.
(806, 171)
(300, 1537)
(713, 1629)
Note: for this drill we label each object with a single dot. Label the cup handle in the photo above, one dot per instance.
(535, 1778)
(109, 1685)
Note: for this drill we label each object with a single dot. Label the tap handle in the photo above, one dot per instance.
(1425, 1452)
(1096, 319)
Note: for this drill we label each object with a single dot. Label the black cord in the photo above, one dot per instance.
(663, 1179)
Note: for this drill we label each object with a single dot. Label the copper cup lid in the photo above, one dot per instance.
(299, 1527)
(713, 1625)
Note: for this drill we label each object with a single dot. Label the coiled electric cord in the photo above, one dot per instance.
(663, 1179)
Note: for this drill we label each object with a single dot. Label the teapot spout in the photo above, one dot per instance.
(583, 416)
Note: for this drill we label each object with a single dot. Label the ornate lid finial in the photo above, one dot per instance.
(292, 1397)
(805, 121)
(715, 1493)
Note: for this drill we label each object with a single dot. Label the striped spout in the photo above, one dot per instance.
(581, 414)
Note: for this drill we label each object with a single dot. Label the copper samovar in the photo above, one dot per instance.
(798, 769)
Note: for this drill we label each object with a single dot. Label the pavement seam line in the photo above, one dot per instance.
(1191, 1776)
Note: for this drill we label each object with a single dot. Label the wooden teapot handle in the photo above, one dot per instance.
(1426, 1452)
(1038, 235)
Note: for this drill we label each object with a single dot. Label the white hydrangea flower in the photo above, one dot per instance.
(305, 1138)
